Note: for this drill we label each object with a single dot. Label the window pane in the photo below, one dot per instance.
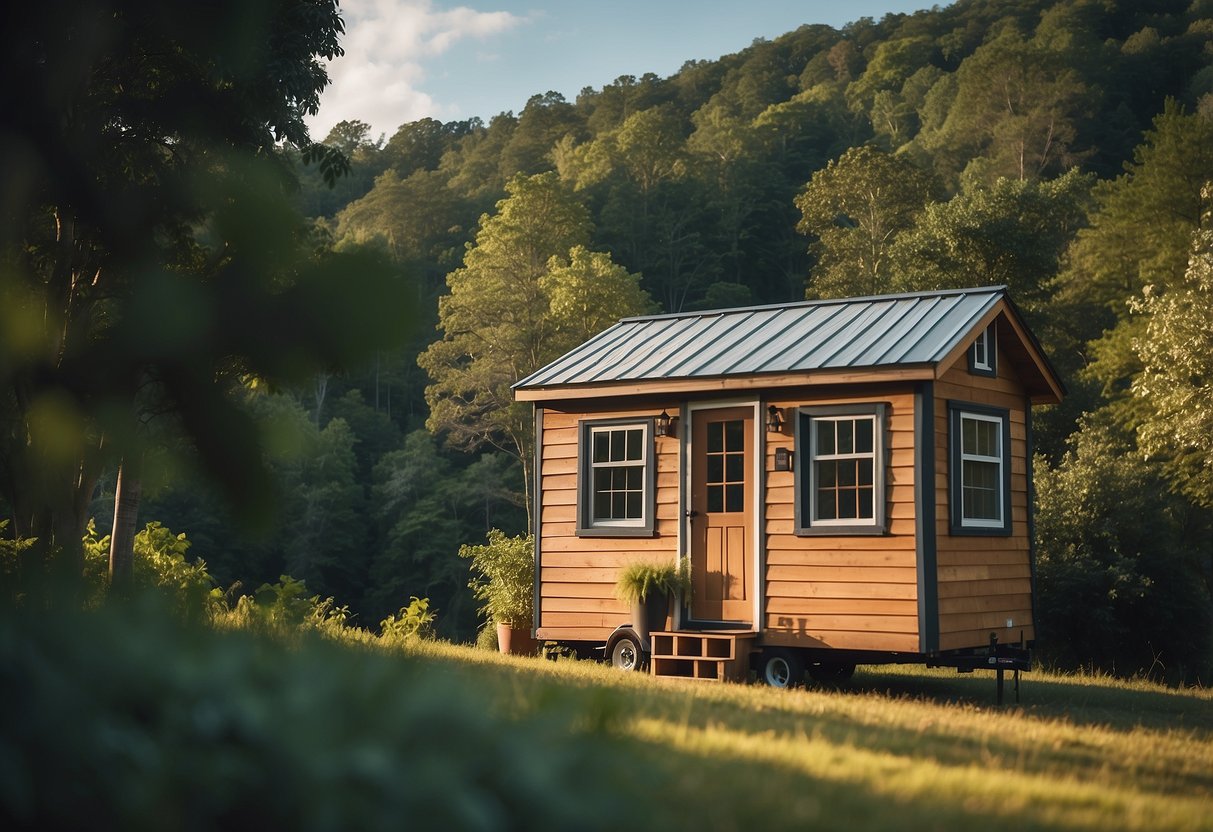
(635, 437)
(715, 471)
(846, 504)
(602, 479)
(826, 509)
(735, 468)
(846, 437)
(602, 446)
(634, 475)
(865, 503)
(634, 512)
(715, 437)
(715, 498)
(618, 505)
(734, 498)
(846, 471)
(825, 437)
(827, 473)
(989, 438)
(734, 436)
(863, 436)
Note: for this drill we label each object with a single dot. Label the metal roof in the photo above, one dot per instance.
(855, 333)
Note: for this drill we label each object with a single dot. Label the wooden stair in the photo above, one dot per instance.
(712, 656)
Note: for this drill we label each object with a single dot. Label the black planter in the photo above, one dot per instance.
(650, 615)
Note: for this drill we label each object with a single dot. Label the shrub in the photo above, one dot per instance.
(415, 621)
(640, 580)
(506, 581)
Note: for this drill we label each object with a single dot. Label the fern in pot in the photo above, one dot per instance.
(505, 584)
(651, 589)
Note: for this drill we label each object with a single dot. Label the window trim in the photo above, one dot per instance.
(586, 526)
(805, 471)
(989, 338)
(959, 525)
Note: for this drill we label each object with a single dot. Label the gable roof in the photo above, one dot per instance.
(908, 335)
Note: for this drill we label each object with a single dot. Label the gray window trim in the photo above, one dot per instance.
(991, 337)
(585, 481)
(958, 526)
(804, 472)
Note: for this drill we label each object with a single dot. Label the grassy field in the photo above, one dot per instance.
(896, 748)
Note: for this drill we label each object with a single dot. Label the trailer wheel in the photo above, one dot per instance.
(831, 672)
(626, 653)
(781, 668)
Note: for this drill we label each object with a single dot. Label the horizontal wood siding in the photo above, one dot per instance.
(855, 592)
(577, 574)
(983, 581)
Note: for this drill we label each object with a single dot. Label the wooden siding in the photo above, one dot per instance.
(856, 592)
(983, 580)
(577, 574)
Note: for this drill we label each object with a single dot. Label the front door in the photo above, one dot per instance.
(722, 514)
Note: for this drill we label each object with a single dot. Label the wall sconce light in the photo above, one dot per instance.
(666, 425)
(774, 419)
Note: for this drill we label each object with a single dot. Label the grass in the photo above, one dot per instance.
(904, 748)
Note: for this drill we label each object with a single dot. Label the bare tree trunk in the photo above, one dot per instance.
(127, 495)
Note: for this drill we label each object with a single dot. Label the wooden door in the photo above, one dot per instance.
(722, 514)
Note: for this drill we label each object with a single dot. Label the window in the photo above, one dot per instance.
(980, 474)
(616, 486)
(841, 481)
(983, 357)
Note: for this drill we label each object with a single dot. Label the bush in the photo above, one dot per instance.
(123, 719)
(506, 582)
(416, 621)
(638, 581)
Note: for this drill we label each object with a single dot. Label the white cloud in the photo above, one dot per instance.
(381, 77)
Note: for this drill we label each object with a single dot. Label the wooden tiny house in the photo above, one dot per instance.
(848, 480)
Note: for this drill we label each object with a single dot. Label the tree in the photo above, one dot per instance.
(587, 293)
(1175, 384)
(497, 321)
(146, 243)
(855, 208)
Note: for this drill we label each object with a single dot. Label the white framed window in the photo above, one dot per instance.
(841, 479)
(983, 354)
(617, 478)
(980, 469)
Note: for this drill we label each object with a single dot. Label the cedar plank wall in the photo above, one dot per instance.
(577, 574)
(983, 581)
(848, 592)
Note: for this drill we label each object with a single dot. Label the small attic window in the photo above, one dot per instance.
(983, 355)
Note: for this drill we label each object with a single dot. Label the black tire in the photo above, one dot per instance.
(626, 653)
(780, 668)
(831, 673)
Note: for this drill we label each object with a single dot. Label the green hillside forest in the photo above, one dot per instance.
(291, 354)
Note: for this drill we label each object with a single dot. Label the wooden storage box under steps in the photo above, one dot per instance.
(716, 656)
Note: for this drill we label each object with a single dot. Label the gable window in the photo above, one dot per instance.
(841, 480)
(980, 469)
(616, 478)
(983, 354)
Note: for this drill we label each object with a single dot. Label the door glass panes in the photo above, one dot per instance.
(844, 459)
(725, 466)
(618, 463)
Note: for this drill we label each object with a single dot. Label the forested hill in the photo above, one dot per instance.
(1060, 147)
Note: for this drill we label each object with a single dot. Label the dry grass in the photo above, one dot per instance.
(903, 748)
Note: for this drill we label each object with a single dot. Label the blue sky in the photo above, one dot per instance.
(407, 59)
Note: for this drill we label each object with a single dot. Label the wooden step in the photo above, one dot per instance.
(715, 656)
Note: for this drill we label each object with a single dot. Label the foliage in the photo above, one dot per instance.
(1176, 380)
(1117, 586)
(505, 577)
(637, 581)
(124, 720)
(415, 621)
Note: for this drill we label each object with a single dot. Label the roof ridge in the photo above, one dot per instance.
(799, 304)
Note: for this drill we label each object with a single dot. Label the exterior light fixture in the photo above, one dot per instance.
(774, 419)
(666, 425)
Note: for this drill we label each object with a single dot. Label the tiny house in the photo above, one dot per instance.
(848, 481)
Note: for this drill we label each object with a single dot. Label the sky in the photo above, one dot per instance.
(409, 59)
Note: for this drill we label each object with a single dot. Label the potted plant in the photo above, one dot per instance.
(651, 589)
(505, 583)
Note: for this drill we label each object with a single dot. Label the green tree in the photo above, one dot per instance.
(146, 242)
(1175, 385)
(587, 293)
(854, 208)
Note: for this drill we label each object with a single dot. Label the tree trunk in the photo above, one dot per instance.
(127, 495)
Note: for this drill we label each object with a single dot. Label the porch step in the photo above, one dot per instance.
(715, 656)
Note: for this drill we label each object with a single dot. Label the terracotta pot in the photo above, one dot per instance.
(516, 640)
